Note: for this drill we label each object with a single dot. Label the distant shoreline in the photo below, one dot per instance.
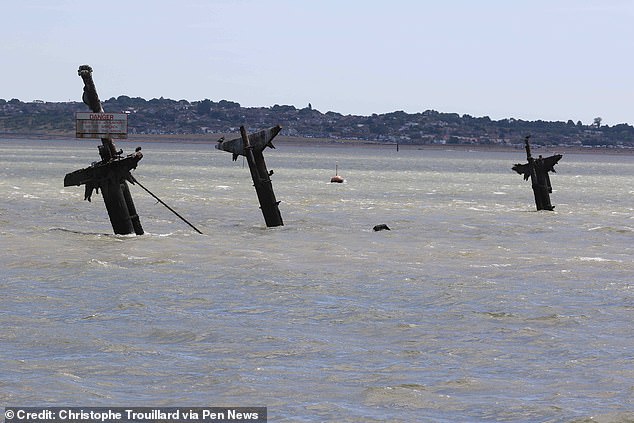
(303, 141)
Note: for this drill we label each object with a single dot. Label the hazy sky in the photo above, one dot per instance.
(527, 59)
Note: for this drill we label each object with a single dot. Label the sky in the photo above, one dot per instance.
(551, 60)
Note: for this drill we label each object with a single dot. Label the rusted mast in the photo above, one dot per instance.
(91, 99)
(111, 173)
(262, 182)
(537, 170)
(251, 146)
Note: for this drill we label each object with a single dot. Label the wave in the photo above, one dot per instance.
(612, 229)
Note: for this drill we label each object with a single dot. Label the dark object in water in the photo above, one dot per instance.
(537, 170)
(251, 146)
(337, 179)
(95, 175)
(111, 174)
(381, 227)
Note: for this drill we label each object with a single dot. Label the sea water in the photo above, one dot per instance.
(473, 307)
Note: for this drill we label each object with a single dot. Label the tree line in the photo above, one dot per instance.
(167, 116)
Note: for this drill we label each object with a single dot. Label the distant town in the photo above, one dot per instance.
(180, 117)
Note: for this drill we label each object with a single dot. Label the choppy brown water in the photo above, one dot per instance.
(473, 307)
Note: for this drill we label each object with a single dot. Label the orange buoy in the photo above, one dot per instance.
(337, 179)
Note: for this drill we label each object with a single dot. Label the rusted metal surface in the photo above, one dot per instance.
(111, 173)
(91, 99)
(94, 176)
(251, 146)
(537, 170)
(258, 142)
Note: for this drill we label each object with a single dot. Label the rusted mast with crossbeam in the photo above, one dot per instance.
(537, 170)
(251, 146)
(110, 175)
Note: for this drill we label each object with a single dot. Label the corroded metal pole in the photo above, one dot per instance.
(110, 174)
(262, 182)
(251, 146)
(537, 170)
(91, 99)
